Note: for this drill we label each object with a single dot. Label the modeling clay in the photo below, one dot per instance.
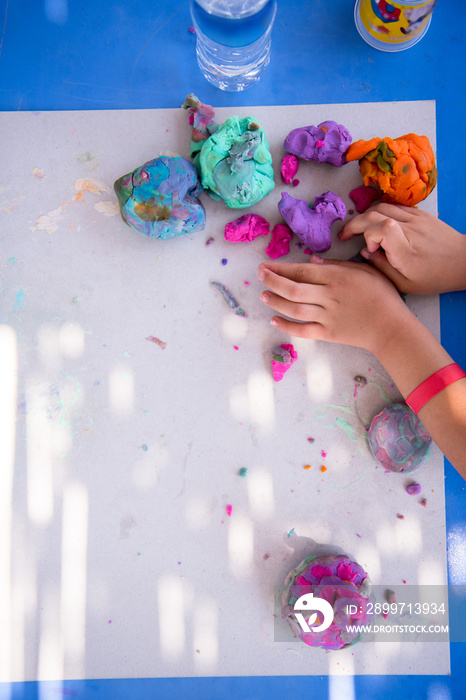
(313, 225)
(289, 168)
(325, 143)
(280, 242)
(160, 199)
(398, 440)
(404, 168)
(363, 197)
(233, 161)
(282, 359)
(157, 341)
(229, 298)
(246, 228)
(340, 582)
(201, 118)
(413, 489)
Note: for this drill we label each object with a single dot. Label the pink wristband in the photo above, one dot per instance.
(433, 385)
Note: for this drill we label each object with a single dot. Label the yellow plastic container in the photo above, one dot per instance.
(393, 26)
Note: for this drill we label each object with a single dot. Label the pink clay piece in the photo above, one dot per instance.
(363, 197)
(246, 228)
(289, 168)
(280, 243)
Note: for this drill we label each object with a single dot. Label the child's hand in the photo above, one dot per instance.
(421, 254)
(333, 300)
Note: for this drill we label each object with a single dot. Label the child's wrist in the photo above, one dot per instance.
(462, 281)
(393, 328)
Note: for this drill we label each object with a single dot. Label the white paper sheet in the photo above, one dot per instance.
(118, 556)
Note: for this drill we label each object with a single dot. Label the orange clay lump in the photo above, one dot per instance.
(403, 168)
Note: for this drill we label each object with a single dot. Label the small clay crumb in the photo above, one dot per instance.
(390, 596)
(424, 503)
(360, 380)
(400, 517)
(266, 556)
(413, 489)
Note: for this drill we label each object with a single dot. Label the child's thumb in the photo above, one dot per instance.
(379, 260)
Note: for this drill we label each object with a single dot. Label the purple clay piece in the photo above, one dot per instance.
(289, 168)
(247, 228)
(413, 489)
(363, 197)
(325, 143)
(313, 226)
(398, 440)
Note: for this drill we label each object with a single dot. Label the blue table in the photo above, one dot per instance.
(60, 55)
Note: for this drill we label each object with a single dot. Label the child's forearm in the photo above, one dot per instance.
(350, 303)
(410, 356)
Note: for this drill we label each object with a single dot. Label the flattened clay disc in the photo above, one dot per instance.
(398, 440)
(341, 582)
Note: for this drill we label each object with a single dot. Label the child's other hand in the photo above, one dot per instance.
(333, 300)
(419, 253)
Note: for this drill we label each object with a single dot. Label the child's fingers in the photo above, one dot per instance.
(300, 286)
(379, 260)
(399, 212)
(294, 272)
(380, 213)
(316, 272)
(301, 311)
(298, 330)
(389, 235)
